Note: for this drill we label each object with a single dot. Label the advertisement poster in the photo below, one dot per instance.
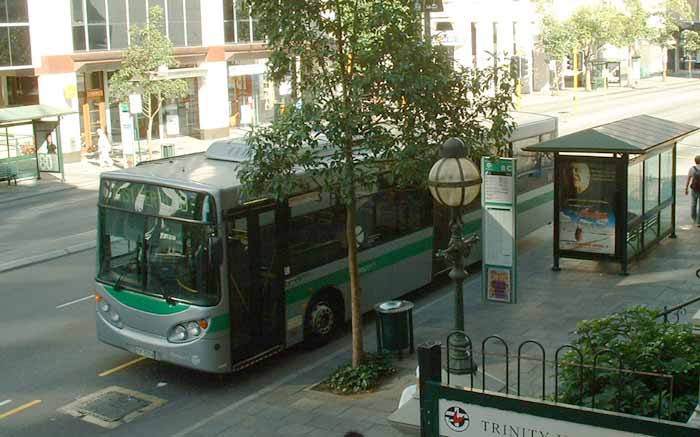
(587, 205)
(498, 284)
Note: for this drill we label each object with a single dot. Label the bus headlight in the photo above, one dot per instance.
(104, 307)
(193, 330)
(187, 331)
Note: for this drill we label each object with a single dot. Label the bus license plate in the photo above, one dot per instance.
(141, 351)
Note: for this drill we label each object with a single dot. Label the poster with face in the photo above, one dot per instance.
(587, 203)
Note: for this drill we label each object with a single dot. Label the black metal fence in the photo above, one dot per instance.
(587, 375)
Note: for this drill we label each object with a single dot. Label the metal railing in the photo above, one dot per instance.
(588, 380)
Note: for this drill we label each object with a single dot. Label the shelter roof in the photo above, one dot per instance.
(637, 135)
(16, 114)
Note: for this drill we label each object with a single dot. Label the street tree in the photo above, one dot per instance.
(375, 97)
(667, 19)
(690, 42)
(150, 52)
(557, 42)
(633, 27)
(594, 26)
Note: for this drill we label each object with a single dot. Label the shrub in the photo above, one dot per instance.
(644, 344)
(349, 380)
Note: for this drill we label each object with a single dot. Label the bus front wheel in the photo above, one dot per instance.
(322, 320)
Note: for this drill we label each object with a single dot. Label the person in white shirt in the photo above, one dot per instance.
(693, 182)
(104, 147)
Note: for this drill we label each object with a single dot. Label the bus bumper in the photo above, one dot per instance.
(205, 354)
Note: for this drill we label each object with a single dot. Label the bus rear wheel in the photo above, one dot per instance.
(322, 320)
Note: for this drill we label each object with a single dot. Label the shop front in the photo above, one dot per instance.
(253, 99)
(178, 117)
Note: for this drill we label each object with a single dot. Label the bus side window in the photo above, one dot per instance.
(317, 238)
(391, 214)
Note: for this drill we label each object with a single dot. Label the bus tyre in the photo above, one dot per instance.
(322, 320)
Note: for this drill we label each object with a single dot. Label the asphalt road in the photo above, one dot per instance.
(49, 353)
(48, 350)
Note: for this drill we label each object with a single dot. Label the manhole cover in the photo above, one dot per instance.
(113, 406)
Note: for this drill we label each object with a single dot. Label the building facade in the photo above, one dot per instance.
(63, 53)
(483, 33)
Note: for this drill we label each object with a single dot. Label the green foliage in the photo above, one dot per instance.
(633, 24)
(668, 17)
(644, 345)
(594, 26)
(149, 50)
(690, 41)
(368, 83)
(366, 377)
(557, 42)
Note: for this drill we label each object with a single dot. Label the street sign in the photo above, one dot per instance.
(126, 125)
(135, 103)
(433, 6)
(498, 233)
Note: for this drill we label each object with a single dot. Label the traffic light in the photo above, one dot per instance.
(524, 68)
(569, 66)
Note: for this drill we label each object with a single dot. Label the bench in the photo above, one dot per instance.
(8, 172)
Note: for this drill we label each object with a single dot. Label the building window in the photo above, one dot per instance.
(15, 49)
(22, 90)
(240, 24)
(105, 24)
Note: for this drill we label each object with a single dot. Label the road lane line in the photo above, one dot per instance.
(3, 403)
(75, 301)
(20, 408)
(123, 366)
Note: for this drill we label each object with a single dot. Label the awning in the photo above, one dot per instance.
(636, 135)
(29, 113)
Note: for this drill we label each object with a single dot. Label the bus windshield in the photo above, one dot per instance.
(160, 256)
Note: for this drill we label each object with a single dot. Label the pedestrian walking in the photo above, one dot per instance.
(693, 182)
(104, 147)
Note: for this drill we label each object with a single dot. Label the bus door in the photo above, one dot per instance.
(255, 283)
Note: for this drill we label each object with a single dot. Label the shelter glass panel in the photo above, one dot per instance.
(634, 191)
(651, 183)
(666, 175)
(665, 222)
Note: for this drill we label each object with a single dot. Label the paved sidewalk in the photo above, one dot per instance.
(566, 96)
(550, 305)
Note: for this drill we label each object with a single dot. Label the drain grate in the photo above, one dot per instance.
(113, 406)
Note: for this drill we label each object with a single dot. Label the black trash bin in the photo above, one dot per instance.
(394, 326)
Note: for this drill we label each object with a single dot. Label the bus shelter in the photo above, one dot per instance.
(30, 141)
(614, 188)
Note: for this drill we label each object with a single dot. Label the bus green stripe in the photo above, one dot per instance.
(536, 201)
(220, 323)
(145, 303)
(302, 292)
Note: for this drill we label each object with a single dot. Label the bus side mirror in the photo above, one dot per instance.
(216, 251)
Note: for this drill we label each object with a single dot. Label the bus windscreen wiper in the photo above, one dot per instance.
(117, 284)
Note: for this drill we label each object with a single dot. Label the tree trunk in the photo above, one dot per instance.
(149, 136)
(355, 290)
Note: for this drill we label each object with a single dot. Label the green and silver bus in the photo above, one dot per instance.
(190, 273)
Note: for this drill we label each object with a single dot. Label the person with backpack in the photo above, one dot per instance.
(693, 181)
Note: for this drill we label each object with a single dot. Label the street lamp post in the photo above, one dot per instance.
(454, 181)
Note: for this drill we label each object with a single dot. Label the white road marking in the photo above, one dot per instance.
(75, 301)
(5, 402)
